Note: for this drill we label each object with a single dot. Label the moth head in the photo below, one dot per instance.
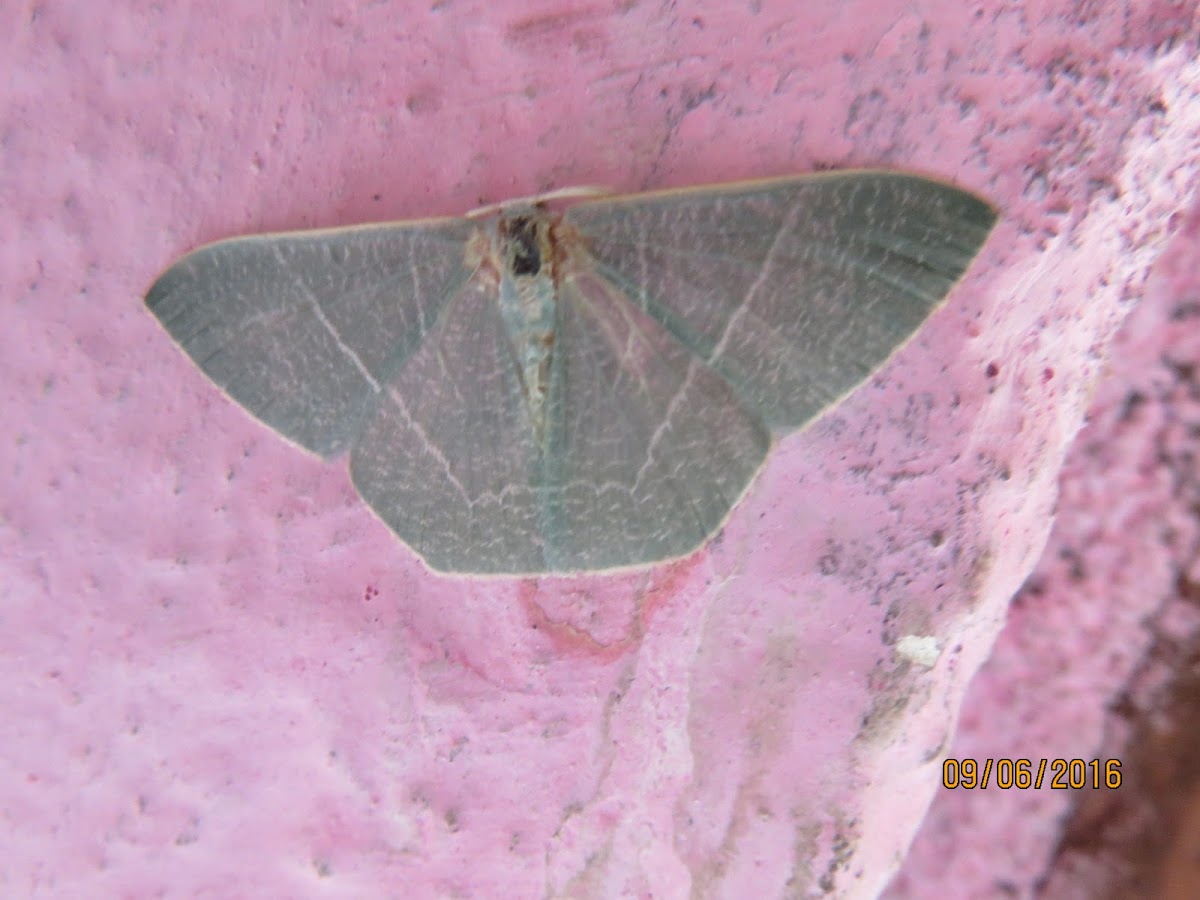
(517, 243)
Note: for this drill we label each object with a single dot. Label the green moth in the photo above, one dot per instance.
(533, 390)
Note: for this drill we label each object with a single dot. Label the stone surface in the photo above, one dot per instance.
(1097, 660)
(221, 674)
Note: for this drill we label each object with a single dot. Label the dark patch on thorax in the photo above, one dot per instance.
(524, 250)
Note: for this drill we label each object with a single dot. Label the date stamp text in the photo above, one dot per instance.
(1024, 774)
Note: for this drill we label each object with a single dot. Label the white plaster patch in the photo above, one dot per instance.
(920, 649)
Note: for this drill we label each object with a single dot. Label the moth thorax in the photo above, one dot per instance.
(526, 241)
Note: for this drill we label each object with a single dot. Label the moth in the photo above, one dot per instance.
(537, 389)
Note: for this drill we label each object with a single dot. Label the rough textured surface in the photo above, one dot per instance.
(221, 673)
(1097, 660)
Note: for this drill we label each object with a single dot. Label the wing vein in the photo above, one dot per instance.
(333, 332)
(672, 406)
(742, 311)
(433, 449)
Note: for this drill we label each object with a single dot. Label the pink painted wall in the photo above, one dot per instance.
(220, 673)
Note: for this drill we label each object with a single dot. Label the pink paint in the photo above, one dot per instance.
(205, 692)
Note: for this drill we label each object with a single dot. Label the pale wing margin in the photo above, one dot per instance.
(793, 289)
(304, 329)
(448, 459)
(648, 449)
